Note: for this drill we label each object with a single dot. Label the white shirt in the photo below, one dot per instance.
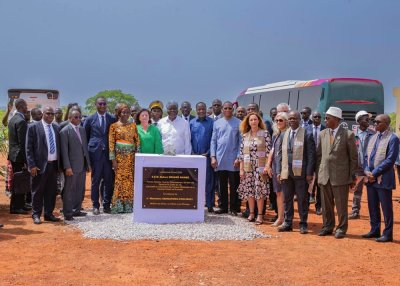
(105, 119)
(187, 118)
(175, 136)
(50, 157)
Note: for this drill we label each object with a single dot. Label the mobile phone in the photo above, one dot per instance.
(11, 101)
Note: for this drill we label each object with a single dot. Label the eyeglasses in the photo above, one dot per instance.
(279, 120)
(227, 108)
(49, 113)
(125, 113)
(77, 117)
(317, 116)
(216, 104)
(102, 103)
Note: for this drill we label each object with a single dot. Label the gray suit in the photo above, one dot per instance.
(336, 165)
(74, 155)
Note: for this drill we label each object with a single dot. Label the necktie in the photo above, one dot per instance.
(51, 140)
(103, 124)
(332, 138)
(78, 133)
(315, 136)
(291, 139)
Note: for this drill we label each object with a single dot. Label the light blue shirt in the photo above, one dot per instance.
(225, 143)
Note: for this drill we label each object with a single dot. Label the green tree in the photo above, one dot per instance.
(393, 121)
(113, 97)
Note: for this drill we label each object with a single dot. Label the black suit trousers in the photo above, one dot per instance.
(233, 178)
(44, 191)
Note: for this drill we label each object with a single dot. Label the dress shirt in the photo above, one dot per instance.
(225, 143)
(175, 136)
(335, 131)
(187, 118)
(201, 132)
(76, 129)
(105, 118)
(216, 117)
(318, 129)
(50, 157)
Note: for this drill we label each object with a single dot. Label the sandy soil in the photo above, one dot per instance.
(57, 254)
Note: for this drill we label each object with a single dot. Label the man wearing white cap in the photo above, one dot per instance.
(337, 161)
(363, 135)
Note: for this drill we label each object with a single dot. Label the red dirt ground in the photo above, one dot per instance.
(57, 254)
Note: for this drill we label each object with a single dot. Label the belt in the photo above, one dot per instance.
(52, 162)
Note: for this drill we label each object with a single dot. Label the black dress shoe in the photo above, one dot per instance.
(80, 214)
(339, 235)
(107, 210)
(220, 211)
(318, 211)
(27, 208)
(36, 220)
(233, 213)
(371, 235)
(303, 230)
(1, 225)
(18, 211)
(325, 232)
(210, 209)
(69, 218)
(285, 228)
(384, 238)
(51, 218)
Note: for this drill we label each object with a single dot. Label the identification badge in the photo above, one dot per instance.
(297, 163)
(261, 154)
(246, 158)
(298, 143)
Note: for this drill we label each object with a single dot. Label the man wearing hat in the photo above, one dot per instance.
(156, 110)
(337, 162)
(363, 135)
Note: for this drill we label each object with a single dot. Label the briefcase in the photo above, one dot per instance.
(22, 182)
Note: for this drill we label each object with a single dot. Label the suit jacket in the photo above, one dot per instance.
(308, 166)
(36, 146)
(338, 162)
(269, 127)
(74, 154)
(385, 168)
(17, 128)
(97, 139)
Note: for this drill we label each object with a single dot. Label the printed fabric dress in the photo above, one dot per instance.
(253, 185)
(124, 143)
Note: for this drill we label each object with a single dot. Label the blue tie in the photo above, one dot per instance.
(103, 124)
(51, 140)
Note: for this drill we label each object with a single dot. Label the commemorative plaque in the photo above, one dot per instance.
(169, 188)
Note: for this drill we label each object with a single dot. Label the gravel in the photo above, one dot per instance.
(121, 227)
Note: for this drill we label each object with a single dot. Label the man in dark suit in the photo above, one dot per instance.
(297, 169)
(43, 157)
(97, 126)
(382, 152)
(186, 108)
(337, 161)
(17, 128)
(75, 162)
(315, 128)
(305, 117)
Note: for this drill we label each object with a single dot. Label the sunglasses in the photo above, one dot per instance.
(317, 116)
(227, 108)
(102, 103)
(216, 104)
(125, 113)
(279, 120)
(77, 117)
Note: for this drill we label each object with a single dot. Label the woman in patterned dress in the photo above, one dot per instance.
(254, 151)
(124, 143)
(275, 156)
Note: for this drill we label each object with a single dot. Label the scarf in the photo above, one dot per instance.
(259, 140)
(298, 146)
(381, 149)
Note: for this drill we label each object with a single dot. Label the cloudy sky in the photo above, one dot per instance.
(193, 50)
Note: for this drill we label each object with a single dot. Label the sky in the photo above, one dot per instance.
(193, 50)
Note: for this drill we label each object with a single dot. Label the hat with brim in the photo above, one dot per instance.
(156, 104)
(362, 113)
(335, 112)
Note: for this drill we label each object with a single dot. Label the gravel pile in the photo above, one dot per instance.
(121, 227)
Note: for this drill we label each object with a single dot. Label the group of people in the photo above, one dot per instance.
(292, 157)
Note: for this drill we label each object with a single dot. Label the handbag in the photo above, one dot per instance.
(22, 182)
